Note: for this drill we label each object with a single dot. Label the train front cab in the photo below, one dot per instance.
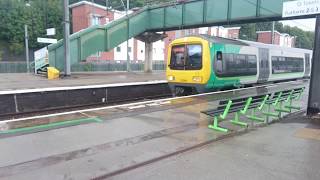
(189, 65)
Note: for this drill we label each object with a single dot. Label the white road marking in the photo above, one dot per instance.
(153, 104)
(136, 107)
(134, 104)
(165, 102)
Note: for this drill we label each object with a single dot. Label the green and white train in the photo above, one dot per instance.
(204, 63)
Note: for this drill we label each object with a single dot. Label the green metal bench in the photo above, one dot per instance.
(239, 106)
(280, 101)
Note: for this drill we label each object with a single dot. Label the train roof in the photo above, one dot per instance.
(222, 40)
(273, 46)
(247, 43)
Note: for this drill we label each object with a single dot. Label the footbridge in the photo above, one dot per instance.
(172, 16)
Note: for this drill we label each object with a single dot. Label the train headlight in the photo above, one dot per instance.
(197, 78)
(171, 78)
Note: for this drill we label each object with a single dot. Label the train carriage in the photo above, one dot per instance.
(203, 63)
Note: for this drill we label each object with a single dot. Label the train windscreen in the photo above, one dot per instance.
(186, 57)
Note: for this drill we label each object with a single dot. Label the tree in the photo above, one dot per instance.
(41, 14)
(248, 32)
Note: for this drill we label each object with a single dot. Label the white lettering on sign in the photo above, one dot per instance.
(51, 32)
(41, 53)
(47, 40)
(300, 8)
(40, 59)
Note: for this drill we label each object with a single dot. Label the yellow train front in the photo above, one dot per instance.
(203, 63)
(189, 65)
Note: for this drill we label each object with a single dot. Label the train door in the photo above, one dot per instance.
(264, 69)
(307, 64)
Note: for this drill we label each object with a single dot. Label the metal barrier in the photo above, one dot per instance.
(268, 106)
(13, 67)
(21, 67)
(113, 66)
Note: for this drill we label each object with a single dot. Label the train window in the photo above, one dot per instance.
(186, 57)
(286, 64)
(252, 62)
(236, 65)
(177, 61)
(194, 57)
(219, 55)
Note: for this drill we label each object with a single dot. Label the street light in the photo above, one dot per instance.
(128, 56)
(26, 37)
(66, 40)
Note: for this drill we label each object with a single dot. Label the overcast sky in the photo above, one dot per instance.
(305, 24)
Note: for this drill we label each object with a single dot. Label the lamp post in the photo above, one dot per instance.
(26, 39)
(272, 33)
(66, 41)
(128, 55)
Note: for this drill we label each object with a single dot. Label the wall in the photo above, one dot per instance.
(122, 54)
(83, 13)
(279, 39)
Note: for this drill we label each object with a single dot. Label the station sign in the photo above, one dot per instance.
(51, 32)
(300, 8)
(47, 40)
(40, 59)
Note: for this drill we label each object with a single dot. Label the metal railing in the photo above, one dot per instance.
(21, 67)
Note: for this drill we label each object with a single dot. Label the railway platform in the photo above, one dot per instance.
(26, 93)
(24, 81)
(119, 141)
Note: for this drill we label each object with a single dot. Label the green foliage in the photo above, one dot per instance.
(40, 15)
(16, 48)
(248, 32)
(1, 53)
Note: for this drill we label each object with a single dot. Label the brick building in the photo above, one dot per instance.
(281, 39)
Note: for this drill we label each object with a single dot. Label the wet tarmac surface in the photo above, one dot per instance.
(284, 151)
(20, 81)
(129, 137)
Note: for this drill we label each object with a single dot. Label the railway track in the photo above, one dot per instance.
(137, 101)
(171, 135)
(45, 117)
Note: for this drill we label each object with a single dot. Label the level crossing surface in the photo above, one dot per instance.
(120, 138)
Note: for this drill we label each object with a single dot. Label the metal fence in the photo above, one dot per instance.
(114, 66)
(13, 67)
(21, 67)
